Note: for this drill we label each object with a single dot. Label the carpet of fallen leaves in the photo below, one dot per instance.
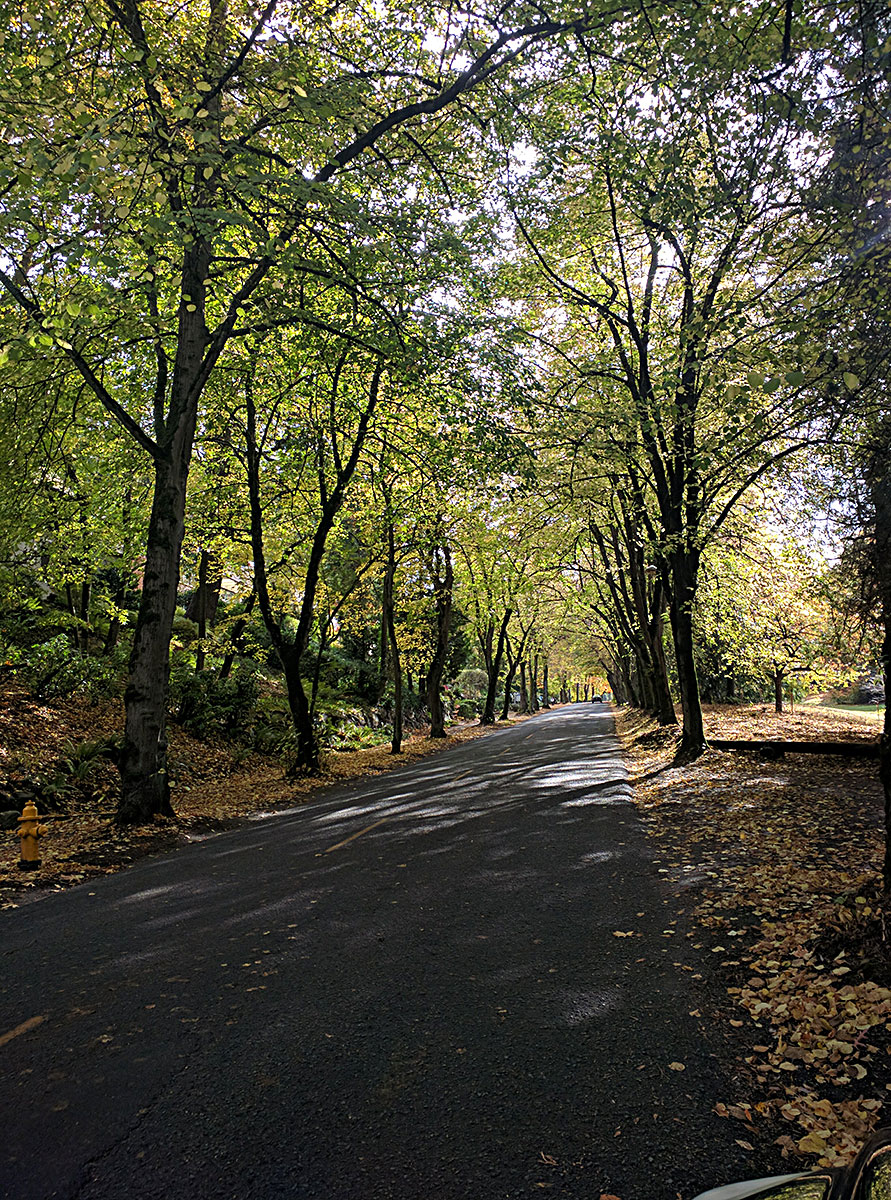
(213, 786)
(778, 866)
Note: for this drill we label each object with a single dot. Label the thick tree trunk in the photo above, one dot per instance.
(145, 787)
(524, 695)
(533, 684)
(778, 690)
(616, 687)
(663, 703)
(494, 670)
(546, 698)
(684, 571)
(306, 761)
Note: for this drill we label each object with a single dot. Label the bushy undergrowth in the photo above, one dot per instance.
(55, 668)
(207, 706)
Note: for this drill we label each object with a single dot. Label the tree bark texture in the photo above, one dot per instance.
(684, 571)
(145, 787)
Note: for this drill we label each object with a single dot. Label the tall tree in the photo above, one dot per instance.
(175, 165)
(680, 267)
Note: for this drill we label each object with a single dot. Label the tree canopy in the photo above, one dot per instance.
(440, 360)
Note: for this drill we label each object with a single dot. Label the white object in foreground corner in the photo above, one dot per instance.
(751, 1187)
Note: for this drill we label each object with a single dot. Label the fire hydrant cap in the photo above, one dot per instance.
(29, 812)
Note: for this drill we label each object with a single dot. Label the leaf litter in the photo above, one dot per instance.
(779, 865)
(214, 786)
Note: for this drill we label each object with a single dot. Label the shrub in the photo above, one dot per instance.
(205, 704)
(55, 668)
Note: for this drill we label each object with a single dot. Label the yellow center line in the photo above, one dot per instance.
(31, 1023)
(353, 837)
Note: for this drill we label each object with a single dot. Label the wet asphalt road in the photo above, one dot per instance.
(436, 1009)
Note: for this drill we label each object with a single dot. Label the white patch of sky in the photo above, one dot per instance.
(435, 43)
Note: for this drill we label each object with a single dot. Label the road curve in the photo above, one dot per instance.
(408, 989)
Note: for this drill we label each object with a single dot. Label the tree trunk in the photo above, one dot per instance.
(145, 787)
(389, 608)
(307, 760)
(292, 650)
(663, 705)
(577, 693)
(512, 664)
(616, 687)
(524, 695)
(684, 571)
(533, 684)
(494, 670)
(443, 579)
(879, 479)
(546, 698)
(778, 689)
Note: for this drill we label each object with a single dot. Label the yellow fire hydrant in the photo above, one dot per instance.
(30, 831)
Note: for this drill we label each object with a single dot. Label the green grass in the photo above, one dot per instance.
(858, 708)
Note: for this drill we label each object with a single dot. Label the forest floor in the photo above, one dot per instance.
(778, 865)
(214, 786)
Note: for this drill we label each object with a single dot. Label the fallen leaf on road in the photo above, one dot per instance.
(546, 1158)
(676, 1066)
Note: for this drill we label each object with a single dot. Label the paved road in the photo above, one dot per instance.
(408, 990)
